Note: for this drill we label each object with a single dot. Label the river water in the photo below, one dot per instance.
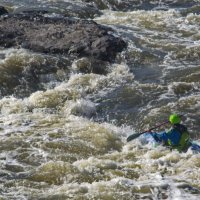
(68, 139)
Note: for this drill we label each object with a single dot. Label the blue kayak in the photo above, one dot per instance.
(147, 138)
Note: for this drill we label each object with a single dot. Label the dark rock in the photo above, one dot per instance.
(34, 11)
(3, 10)
(66, 36)
(67, 9)
(59, 42)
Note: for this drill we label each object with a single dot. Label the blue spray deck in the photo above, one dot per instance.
(147, 138)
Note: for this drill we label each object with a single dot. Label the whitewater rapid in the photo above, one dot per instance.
(67, 140)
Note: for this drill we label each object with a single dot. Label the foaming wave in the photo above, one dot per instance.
(80, 107)
(11, 105)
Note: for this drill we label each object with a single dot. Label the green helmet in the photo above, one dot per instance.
(174, 119)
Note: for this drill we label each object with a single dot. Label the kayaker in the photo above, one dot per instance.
(177, 137)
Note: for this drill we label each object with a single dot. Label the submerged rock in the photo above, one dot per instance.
(59, 35)
(3, 10)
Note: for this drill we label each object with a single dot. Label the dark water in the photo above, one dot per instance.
(64, 137)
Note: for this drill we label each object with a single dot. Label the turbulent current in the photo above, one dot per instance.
(63, 131)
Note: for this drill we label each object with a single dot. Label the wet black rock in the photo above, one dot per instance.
(3, 10)
(54, 43)
(59, 35)
(67, 9)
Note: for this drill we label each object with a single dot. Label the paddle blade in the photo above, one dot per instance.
(133, 136)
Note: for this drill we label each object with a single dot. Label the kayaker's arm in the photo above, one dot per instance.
(136, 135)
(160, 137)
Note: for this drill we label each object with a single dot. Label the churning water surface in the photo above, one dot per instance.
(65, 137)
